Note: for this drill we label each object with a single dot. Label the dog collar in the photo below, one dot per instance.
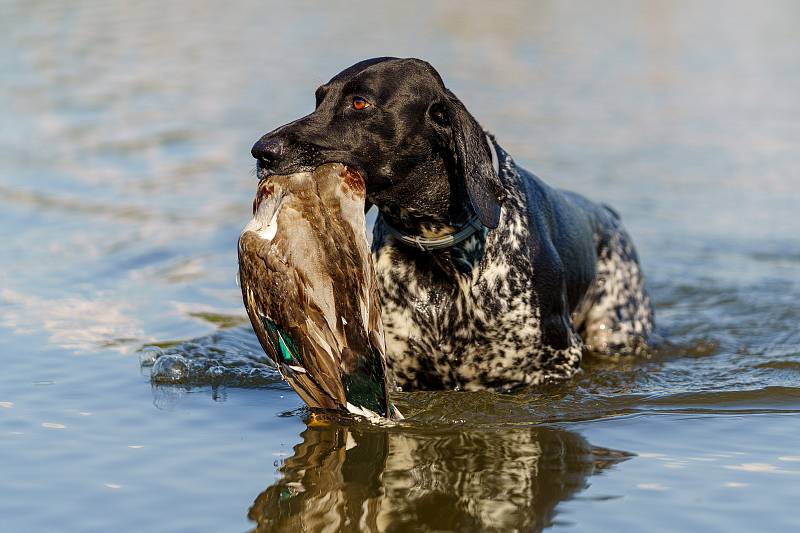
(471, 226)
(466, 230)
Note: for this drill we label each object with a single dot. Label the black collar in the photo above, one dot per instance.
(463, 232)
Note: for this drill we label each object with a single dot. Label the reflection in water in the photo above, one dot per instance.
(77, 324)
(371, 479)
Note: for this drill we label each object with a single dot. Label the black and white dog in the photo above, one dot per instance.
(489, 278)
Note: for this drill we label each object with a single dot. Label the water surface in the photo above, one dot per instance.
(125, 178)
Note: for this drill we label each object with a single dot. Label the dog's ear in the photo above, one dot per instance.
(471, 153)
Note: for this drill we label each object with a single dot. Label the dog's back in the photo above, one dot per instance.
(519, 304)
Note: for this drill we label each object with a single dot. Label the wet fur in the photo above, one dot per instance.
(551, 277)
(495, 311)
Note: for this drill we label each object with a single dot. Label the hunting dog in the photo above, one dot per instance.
(488, 277)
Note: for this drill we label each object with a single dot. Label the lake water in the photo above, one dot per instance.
(125, 178)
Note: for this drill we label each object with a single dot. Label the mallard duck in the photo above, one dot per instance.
(309, 288)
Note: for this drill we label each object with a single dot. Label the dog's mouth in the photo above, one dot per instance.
(262, 172)
(352, 179)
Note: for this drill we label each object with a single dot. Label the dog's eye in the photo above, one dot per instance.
(359, 103)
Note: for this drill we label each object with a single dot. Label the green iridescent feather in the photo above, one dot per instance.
(283, 343)
(363, 389)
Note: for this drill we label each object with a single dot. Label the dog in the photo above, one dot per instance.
(488, 277)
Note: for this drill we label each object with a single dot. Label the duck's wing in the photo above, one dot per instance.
(359, 327)
(357, 299)
(290, 327)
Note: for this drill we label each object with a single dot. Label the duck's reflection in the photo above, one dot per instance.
(367, 479)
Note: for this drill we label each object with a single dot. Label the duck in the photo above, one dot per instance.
(309, 288)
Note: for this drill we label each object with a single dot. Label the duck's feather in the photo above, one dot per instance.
(310, 290)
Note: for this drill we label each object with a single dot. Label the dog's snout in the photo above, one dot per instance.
(269, 151)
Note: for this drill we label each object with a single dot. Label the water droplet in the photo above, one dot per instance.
(170, 368)
(148, 355)
(215, 373)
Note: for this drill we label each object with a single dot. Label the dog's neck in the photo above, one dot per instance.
(430, 233)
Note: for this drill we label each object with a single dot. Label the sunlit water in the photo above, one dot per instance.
(125, 177)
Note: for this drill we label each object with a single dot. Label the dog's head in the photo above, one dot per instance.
(393, 120)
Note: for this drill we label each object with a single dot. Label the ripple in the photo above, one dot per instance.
(230, 357)
(574, 402)
(779, 365)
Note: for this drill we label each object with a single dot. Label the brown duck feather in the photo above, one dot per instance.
(309, 288)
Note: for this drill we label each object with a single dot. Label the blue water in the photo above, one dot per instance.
(125, 178)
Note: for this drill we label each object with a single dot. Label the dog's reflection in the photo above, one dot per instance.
(368, 479)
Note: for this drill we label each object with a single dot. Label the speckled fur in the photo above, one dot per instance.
(483, 315)
(616, 316)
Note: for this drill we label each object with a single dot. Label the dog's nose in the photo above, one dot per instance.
(269, 151)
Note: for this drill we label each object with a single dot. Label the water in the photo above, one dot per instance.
(125, 177)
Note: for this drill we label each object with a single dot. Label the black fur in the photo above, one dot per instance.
(551, 276)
